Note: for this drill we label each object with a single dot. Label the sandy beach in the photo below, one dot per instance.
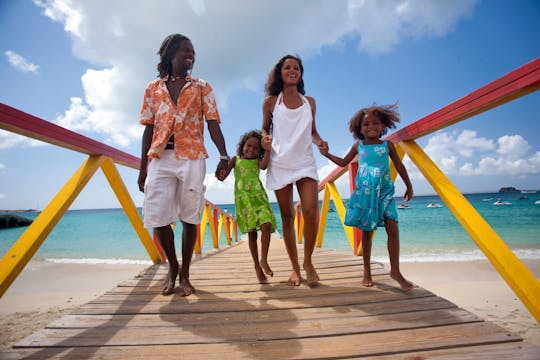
(45, 291)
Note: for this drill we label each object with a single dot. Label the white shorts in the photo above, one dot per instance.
(174, 189)
(278, 177)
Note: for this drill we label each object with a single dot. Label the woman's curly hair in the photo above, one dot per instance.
(274, 84)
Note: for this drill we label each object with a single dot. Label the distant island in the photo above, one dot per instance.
(511, 189)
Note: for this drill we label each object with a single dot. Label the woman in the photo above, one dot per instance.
(289, 127)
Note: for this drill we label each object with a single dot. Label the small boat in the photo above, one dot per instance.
(487, 199)
(404, 206)
(537, 202)
(434, 205)
(499, 203)
(523, 198)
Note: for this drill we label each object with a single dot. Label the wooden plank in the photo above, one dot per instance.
(355, 345)
(244, 320)
(227, 331)
(171, 320)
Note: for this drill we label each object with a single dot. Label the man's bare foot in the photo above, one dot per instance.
(169, 282)
(294, 279)
(260, 275)
(266, 268)
(402, 281)
(311, 275)
(186, 286)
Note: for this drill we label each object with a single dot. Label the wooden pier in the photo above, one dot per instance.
(232, 316)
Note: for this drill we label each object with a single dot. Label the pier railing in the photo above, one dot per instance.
(518, 83)
(99, 156)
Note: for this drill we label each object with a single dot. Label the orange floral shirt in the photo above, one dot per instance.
(195, 104)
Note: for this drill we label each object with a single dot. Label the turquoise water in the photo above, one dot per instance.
(426, 234)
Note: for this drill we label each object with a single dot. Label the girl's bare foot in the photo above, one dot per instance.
(311, 275)
(294, 279)
(266, 268)
(186, 286)
(402, 281)
(367, 281)
(260, 275)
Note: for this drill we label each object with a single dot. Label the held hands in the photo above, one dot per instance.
(266, 142)
(221, 170)
(323, 147)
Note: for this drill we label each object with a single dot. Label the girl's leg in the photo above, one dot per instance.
(367, 237)
(165, 237)
(265, 246)
(253, 249)
(307, 189)
(284, 197)
(393, 252)
(189, 237)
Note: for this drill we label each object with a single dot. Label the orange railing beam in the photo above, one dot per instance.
(33, 127)
(517, 83)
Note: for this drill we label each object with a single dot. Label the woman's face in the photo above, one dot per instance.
(184, 56)
(290, 72)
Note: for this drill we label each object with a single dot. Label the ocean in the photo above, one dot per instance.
(426, 233)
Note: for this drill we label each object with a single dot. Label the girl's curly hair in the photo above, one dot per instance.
(252, 133)
(388, 115)
(166, 52)
(274, 84)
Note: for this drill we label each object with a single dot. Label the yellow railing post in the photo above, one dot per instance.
(121, 192)
(514, 272)
(26, 246)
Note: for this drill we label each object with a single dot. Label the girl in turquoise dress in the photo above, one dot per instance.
(372, 204)
(253, 210)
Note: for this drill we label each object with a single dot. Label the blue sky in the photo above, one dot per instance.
(84, 65)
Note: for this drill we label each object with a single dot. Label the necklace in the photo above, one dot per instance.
(174, 78)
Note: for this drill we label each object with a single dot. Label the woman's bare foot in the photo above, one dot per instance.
(311, 275)
(266, 268)
(294, 279)
(260, 275)
(169, 282)
(402, 281)
(186, 286)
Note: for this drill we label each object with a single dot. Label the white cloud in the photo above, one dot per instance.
(20, 63)
(224, 34)
(9, 140)
(466, 154)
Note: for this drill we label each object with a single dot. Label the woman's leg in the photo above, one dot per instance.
(393, 252)
(284, 197)
(307, 189)
(367, 237)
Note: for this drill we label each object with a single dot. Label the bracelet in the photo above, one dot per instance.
(224, 157)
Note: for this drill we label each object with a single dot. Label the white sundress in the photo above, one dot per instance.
(292, 152)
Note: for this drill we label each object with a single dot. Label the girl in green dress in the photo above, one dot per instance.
(253, 210)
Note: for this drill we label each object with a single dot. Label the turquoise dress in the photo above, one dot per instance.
(250, 199)
(372, 200)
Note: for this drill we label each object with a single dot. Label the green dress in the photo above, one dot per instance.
(250, 199)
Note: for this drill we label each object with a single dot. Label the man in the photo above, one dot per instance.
(173, 155)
